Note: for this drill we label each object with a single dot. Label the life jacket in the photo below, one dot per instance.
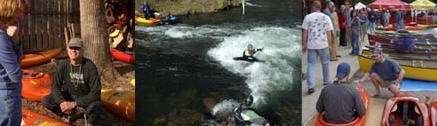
(249, 52)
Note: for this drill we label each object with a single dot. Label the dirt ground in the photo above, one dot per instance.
(126, 71)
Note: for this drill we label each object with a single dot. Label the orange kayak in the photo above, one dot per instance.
(404, 110)
(121, 103)
(360, 121)
(36, 85)
(433, 113)
(39, 57)
(32, 118)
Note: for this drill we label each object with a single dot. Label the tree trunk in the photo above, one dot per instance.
(94, 36)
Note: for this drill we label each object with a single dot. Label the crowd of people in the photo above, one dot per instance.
(322, 32)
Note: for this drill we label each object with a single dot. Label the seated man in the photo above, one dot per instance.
(76, 87)
(340, 101)
(385, 73)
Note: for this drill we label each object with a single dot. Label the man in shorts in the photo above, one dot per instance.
(384, 72)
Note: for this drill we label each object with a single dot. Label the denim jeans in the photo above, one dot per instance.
(372, 27)
(355, 43)
(10, 110)
(312, 58)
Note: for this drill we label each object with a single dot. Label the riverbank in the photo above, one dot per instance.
(188, 7)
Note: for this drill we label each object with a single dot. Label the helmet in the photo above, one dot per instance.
(250, 46)
(248, 101)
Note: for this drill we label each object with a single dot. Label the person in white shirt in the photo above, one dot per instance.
(316, 35)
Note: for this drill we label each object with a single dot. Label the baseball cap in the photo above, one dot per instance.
(377, 51)
(75, 42)
(342, 70)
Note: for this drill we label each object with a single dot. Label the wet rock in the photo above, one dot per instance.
(184, 117)
(209, 104)
(159, 121)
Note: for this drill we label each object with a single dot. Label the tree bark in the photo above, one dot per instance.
(94, 36)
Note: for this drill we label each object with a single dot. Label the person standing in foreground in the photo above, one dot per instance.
(384, 72)
(340, 101)
(76, 87)
(316, 35)
(11, 12)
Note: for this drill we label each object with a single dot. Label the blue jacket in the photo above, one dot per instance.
(10, 70)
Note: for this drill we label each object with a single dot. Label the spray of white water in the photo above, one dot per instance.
(280, 45)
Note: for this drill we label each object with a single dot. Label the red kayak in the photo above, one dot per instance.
(433, 113)
(405, 109)
(32, 118)
(36, 85)
(360, 121)
(122, 56)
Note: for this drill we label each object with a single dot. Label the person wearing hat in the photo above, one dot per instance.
(340, 101)
(75, 87)
(384, 72)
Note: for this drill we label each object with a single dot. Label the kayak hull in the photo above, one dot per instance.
(40, 57)
(396, 105)
(32, 118)
(36, 87)
(121, 103)
(122, 56)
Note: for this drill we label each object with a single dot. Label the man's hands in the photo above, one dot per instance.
(66, 107)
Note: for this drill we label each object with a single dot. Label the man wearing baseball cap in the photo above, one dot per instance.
(75, 87)
(340, 101)
(384, 72)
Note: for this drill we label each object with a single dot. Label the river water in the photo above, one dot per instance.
(182, 68)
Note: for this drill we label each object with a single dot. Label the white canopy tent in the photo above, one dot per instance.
(359, 6)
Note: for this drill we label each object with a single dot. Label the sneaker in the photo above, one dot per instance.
(66, 119)
(311, 90)
(87, 120)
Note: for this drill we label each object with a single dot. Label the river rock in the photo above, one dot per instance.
(183, 117)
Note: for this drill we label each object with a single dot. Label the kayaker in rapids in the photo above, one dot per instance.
(340, 101)
(248, 54)
(384, 72)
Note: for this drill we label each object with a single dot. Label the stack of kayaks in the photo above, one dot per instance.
(40, 57)
(414, 69)
(32, 118)
(122, 56)
(143, 20)
(360, 121)
(121, 103)
(433, 113)
(36, 85)
(405, 110)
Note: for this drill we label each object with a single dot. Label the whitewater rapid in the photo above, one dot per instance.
(281, 44)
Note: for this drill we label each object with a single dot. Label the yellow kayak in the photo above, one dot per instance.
(132, 82)
(121, 103)
(414, 69)
(146, 21)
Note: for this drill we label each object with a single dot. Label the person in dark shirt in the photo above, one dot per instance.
(75, 88)
(340, 102)
(384, 72)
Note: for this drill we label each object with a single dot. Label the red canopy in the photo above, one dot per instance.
(390, 4)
